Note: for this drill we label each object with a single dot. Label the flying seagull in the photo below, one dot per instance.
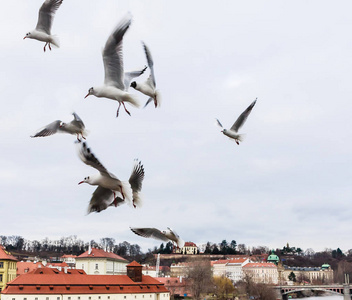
(128, 76)
(233, 131)
(149, 86)
(76, 126)
(108, 184)
(45, 19)
(165, 235)
(114, 87)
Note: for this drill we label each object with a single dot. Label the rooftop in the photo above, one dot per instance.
(4, 255)
(100, 253)
(52, 281)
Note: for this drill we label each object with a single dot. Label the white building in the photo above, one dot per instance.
(262, 272)
(234, 268)
(99, 262)
(52, 284)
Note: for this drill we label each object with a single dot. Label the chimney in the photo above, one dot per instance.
(134, 271)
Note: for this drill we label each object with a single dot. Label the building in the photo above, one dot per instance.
(273, 258)
(179, 269)
(323, 274)
(177, 286)
(52, 284)
(188, 248)
(69, 259)
(234, 268)
(230, 268)
(60, 266)
(150, 271)
(7, 267)
(262, 272)
(24, 267)
(99, 262)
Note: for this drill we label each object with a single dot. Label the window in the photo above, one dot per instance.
(58, 298)
(108, 297)
(36, 298)
(0, 277)
(47, 298)
(90, 298)
(79, 297)
(24, 298)
(69, 298)
(96, 266)
(1, 264)
(99, 297)
(124, 297)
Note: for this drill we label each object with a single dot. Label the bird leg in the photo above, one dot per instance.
(45, 46)
(118, 109)
(78, 137)
(123, 195)
(82, 136)
(125, 107)
(237, 142)
(49, 47)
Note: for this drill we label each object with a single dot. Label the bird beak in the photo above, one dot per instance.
(24, 37)
(86, 96)
(80, 182)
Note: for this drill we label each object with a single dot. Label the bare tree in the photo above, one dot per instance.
(200, 274)
(257, 290)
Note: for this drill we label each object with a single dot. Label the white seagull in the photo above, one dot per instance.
(149, 86)
(109, 184)
(114, 87)
(164, 235)
(45, 20)
(76, 126)
(232, 133)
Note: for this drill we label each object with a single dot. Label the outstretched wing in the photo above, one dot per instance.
(49, 129)
(137, 177)
(218, 122)
(243, 117)
(150, 233)
(113, 57)
(130, 75)
(86, 155)
(150, 63)
(46, 15)
(101, 199)
(77, 121)
(179, 241)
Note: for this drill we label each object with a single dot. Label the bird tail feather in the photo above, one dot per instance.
(132, 99)
(55, 41)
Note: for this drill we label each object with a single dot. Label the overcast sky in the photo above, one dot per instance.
(290, 179)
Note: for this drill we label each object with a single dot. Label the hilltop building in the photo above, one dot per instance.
(189, 249)
(7, 267)
(74, 284)
(99, 262)
(273, 258)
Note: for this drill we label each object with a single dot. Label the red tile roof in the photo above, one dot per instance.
(238, 260)
(100, 253)
(54, 265)
(260, 265)
(134, 264)
(52, 281)
(25, 267)
(190, 244)
(68, 256)
(4, 255)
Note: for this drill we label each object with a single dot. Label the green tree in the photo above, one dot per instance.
(292, 277)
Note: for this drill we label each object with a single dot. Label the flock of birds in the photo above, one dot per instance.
(110, 190)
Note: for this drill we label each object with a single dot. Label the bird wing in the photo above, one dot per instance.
(77, 121)
(46, 15)
(150, 64)
(243, 117)
(132, 74)
(179, 241)
(89, 158)
(137, 177)
(49, 129)
(113, 57)
(101, 199)
(219, 123)
(150, 233)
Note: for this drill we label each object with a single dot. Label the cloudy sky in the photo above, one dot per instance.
(289, 181)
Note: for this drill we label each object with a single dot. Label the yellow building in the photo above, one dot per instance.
(7, 267)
